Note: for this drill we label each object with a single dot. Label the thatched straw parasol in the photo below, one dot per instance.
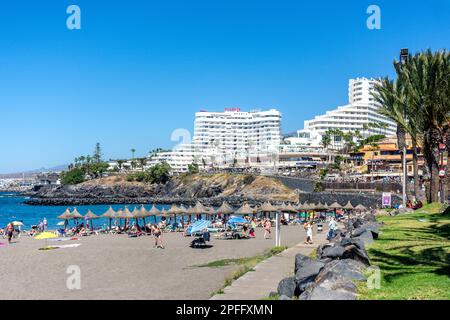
(183, 210)
(300, 206)
(267, 207)
(154, 212)
(174, 210)
(282, 207)
(76, 215)
(321, 207)
(348, 206)
(245, 210)
(136, 213)
(199, 208)
(225, 208)
(309, 206)
(125, 214)
(290, 209)
(143, 213)
(110, 214)
(66, 215)
(335, 206)
(91, 215)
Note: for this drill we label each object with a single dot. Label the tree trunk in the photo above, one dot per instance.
(432, 138)
(416, 170)
(446, 181)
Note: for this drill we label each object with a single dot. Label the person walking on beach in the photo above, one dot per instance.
(45, 223)
(156, 231)
(19, 229)
(308, 228)
(332, 229)
(9, 231)
(267, 229)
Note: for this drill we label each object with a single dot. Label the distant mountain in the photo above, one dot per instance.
(32, 172)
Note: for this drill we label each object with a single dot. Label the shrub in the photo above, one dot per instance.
(74, 176)
(248, 179)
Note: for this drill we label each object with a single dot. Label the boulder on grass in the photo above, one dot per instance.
(320, 292)
(371, 226)
(366, 237)
(342, 271)
(283, 297)
(355, 253)
(287, 287)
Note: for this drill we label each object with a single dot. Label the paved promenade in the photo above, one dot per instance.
(257, 285)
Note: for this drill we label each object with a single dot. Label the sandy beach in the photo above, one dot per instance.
(118, 267)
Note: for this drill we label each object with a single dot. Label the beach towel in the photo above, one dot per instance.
(63, 239)
(62, 246)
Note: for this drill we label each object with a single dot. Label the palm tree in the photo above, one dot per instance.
(326, 141)
(142, 162)
(428, 85)
(120, 164)
(392, 97)
(132, 153)
(420, 105)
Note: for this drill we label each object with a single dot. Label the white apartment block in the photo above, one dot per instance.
(361, 110)
(221, 138)
(234, 133)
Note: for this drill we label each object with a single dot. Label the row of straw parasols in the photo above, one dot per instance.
(199, 208)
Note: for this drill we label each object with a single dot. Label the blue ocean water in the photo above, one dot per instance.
(12, 208)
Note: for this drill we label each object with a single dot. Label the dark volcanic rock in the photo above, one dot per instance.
(287, 287)
(300, 261)
(342, 270)
(308, 271)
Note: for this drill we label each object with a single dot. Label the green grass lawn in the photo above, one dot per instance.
(413, 253)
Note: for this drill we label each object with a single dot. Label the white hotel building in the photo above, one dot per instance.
(360, 110)
(222, 138)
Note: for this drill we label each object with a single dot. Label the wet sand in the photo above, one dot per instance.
(118, 267)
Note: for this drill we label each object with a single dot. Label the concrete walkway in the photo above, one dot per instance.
(258, 284)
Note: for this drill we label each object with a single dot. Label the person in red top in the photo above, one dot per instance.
(9, 231)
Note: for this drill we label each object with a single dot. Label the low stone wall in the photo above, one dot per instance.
(369, 200)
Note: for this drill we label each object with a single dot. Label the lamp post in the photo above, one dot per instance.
(404, 54)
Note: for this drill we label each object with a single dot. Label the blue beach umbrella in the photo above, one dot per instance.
(198, 226)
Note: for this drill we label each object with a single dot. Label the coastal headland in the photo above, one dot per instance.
(212, 189)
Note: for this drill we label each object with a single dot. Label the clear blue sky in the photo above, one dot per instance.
(137, 70)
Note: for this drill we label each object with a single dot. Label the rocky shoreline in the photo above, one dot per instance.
(232, 200)
(339, 265)
(211, 190)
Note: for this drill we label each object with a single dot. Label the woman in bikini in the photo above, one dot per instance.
(156, 231)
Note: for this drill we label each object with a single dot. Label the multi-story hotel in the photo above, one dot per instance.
(222, 138)
(233, 133)
(358, 115)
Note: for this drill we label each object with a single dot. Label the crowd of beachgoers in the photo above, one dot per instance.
(225, 221)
